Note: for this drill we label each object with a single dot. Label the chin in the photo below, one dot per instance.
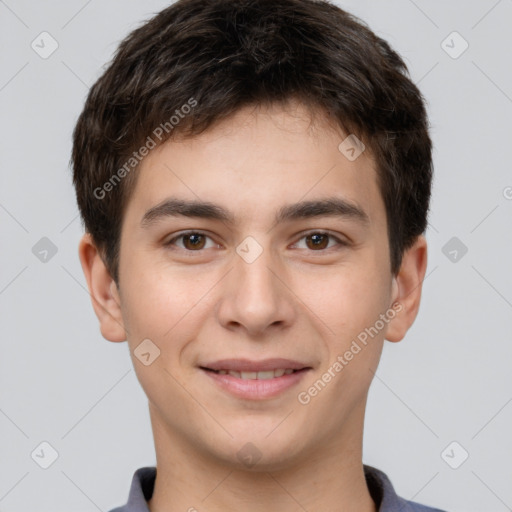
(263, 452)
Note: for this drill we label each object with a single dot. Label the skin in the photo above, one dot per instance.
(294, 301)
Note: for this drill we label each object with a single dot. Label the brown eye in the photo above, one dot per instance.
(317, 241)
(320, 241)
(193, 241)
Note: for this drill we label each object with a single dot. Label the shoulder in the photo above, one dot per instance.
(384, 495)
(141, 490)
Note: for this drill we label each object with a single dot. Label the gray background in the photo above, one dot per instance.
(450, 380)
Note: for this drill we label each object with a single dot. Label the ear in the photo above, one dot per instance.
(407, 288)
(103, 290)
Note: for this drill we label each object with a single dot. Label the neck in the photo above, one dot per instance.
(329, 477)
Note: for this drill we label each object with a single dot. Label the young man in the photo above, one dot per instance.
(254, 178)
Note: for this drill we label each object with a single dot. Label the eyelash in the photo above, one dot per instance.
(340, 243)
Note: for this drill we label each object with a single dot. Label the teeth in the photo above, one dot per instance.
(248, 375)
(264, 375)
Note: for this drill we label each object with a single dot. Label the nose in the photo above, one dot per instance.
(255, 297)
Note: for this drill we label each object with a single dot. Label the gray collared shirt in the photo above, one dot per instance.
(379, 485)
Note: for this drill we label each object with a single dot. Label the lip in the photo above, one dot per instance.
(255, 389)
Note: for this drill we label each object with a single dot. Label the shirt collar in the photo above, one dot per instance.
(379, 485)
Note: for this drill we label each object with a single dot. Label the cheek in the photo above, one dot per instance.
(351, 307)
(348, 299)
(148, 308)
(161, 305)
(160, 310)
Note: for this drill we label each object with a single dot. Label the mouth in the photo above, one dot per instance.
(255, 380)
(261, 375)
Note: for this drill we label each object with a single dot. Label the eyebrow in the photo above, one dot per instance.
(326, 207)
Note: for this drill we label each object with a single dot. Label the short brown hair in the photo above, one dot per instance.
(221, 55)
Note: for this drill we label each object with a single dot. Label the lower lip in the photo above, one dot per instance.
(255, 389)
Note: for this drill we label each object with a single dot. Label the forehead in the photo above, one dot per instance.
(257, 160)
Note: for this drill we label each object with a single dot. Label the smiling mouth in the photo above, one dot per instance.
(260, 375)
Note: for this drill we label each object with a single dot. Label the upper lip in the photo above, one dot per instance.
(247, 365)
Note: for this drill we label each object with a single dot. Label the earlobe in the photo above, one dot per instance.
(103, 291)
(407, 286)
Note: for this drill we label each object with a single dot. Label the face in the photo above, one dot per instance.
(254, 248)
